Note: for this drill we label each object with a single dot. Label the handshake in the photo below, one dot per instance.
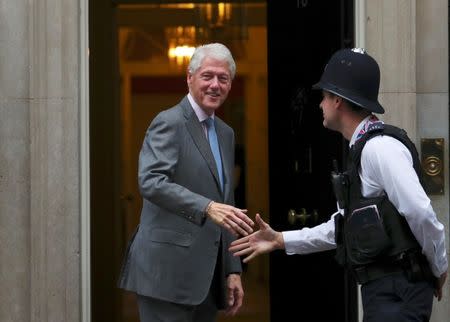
(262, 241)
(236, 221)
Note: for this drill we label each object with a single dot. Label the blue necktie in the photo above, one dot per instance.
(212, 138)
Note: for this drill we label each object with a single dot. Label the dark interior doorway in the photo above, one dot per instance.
(302, 35)
(106, 221)
(131, 80)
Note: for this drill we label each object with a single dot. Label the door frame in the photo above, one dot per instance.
(85, 205)
(360, 41)
(84, 108)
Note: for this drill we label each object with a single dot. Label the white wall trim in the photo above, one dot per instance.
(360, 23)
(360, 41)
(84, 162)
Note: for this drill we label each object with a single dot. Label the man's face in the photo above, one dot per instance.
(329, 109)
(210, 84)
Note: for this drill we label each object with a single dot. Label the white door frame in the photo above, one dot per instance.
(84, 161)
(360, 41)
(359, 12)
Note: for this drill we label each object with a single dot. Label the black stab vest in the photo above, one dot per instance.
(395, 225)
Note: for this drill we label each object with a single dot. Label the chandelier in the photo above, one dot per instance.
(181, 42)
(212, 22)
(217, 15)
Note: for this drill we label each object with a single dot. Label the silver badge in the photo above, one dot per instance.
(359, 50)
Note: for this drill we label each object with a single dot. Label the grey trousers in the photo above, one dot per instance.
(154, 310)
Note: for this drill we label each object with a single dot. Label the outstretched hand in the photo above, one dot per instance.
(262, 241)
(235, 220)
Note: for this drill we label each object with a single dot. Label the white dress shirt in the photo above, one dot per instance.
(201, 115)
(386, 167)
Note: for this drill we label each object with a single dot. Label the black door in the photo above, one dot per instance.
(302, 35)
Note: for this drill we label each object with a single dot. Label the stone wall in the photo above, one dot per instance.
(40, 160)
(409, 39)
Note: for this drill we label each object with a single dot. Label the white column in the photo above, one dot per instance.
(433, 105)
(409, 39)
(14, 162)
(391, 40)
(54, 66)
(40, 133)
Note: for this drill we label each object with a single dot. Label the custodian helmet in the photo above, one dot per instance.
(355, 76)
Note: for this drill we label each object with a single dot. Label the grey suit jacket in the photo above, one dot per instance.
(174, 252)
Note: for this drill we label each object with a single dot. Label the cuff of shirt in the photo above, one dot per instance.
(440, 268)
(291, 242)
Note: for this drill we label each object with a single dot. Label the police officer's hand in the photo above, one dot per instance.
(262, 241)
(233, 219)
(440, 284)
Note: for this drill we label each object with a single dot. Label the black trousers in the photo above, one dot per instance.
(394, 299)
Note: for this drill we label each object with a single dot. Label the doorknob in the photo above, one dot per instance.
(294, 217)
(302, 217)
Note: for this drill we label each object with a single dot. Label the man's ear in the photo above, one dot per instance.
(338, 101)
(188, 78)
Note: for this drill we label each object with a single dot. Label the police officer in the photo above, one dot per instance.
(385, 230)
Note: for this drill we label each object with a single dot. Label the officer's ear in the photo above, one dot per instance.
(338, 100)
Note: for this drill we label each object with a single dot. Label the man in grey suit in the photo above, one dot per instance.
(178, 262)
